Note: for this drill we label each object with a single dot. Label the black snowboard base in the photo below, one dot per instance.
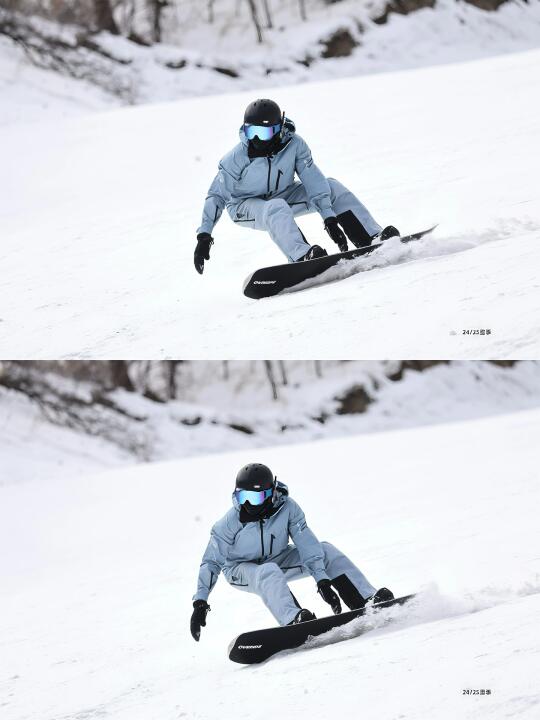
(272, 280)
(258, 645)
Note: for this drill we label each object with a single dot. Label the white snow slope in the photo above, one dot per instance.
(98, 217)
(97, 579)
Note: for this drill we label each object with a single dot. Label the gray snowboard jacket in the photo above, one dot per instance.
(233, 542)
(240, 177)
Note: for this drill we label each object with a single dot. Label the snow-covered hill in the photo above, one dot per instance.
(64, 438)
(98, 218)
(97, 584)
(200, 58)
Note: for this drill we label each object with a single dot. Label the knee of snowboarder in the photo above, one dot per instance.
(336, 188)
(270, 568)
(329, 549)
(274, 208)
(268, 571)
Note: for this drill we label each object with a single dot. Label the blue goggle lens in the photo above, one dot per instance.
(254, 497)
(263, 132)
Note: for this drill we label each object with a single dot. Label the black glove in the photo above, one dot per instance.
(200, 610)
(202, 251)
(331, 226)
(324, 588)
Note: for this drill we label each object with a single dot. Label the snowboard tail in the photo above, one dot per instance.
(273, 280)
(259, 645)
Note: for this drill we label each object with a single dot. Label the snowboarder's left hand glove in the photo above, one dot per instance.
(331, 226)
(198, 618)
(202, 251)
(324, 588)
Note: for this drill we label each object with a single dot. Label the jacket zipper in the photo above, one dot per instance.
(272, 538)
(268, 181)
(277, 181)
(262, 538)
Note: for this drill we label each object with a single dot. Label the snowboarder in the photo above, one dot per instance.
(255, 182)
(250, 545)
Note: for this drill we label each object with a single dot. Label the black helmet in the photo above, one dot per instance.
(254, 488)
(262, 112)
(255, 476)
(263, 123)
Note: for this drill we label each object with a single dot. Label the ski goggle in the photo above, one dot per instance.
(263, 132)
(254, 497)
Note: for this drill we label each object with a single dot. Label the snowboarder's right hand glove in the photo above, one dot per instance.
(198, 618)
(202, 251)
(331, 226)
(324, 588)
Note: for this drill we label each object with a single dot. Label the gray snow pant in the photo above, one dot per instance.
(269, 580)
(277, 214)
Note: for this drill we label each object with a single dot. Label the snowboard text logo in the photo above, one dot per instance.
(249, 647)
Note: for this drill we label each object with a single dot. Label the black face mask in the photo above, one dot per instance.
(264, 148)
(256, 512)
(252, 509)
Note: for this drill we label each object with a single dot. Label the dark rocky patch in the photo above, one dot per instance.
(340, 44)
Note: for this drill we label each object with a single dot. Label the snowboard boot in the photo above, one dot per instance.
(382, 595)
(315, 251)
(303, 616)
(354, 230)
(348, 592)
(388, 232)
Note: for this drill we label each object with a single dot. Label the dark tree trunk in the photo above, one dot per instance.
(171, 378)
(157, 9)
(127, 18)
(143, 374)
(211, 11)
(271, 378)
(255, 18)
(302, 4)
(120, 376)
(283, 372)
(104, 16)
(269, 23)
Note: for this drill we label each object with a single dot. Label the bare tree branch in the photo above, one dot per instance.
(269, 23)
(255, 18)
(158, 6)
(283, 371)
(75, 54)
(172, 366)
(271, 379)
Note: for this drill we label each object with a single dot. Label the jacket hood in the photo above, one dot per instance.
(280, 493)
(288, 131)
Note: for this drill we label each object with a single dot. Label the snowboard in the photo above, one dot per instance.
(258, 645)
(272, 280)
